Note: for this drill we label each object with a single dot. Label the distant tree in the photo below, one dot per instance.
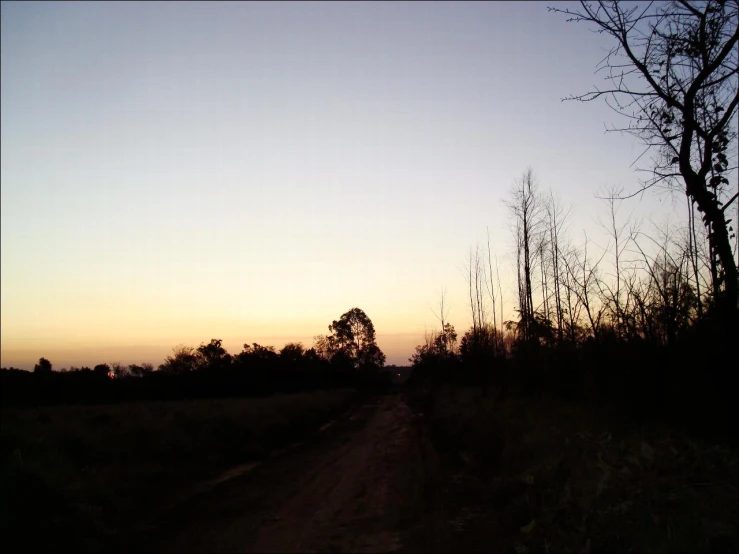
(480, 345)
(353, 335)
(214, 356)
(314, 362)
(43, 366)
(325, 346)
(292, 353)
(477, 287)
(674, 73)
(184, 359)
(446, 340)
(341, 361)
(438, 346)
(556, 218)
(584, 275)
(102, 370)
(525, 206)
(118, 370)
(257, 356)
(140, 370)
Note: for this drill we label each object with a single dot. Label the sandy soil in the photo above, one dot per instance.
(367, 483)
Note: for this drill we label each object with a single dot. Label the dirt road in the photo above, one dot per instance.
(367, 483)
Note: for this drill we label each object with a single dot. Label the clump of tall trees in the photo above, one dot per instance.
(649, 318)
(637, 321)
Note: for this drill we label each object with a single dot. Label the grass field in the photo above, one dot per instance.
(547, 476)
(76, 477)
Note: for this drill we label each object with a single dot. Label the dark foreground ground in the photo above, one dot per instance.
(462, 472)
(539, 474)
(368, 483)
(422, 471)
(78, 478)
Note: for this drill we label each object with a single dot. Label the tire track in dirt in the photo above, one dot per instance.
(367, 484)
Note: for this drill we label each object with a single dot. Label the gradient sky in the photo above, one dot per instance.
(174, 172)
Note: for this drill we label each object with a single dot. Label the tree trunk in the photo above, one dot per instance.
(714, 218)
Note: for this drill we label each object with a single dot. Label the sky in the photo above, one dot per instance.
(173, 172)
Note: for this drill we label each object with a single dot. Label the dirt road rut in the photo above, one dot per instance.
(367, 483)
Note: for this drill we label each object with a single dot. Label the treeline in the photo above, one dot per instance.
(649, 322)
(347, 357)
(639, 324)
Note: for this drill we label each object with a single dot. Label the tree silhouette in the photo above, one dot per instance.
(43, 366)
(441, 346)
(674, 72)
(525, 206)
(324, 346)
(256, 356)
(140, 370)
(102, 370)
(353, 336)
(118, 370)
(213, 355)
(184, 359)
(292, 353)
(480, 345)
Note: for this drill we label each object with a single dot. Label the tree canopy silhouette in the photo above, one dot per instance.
(213, 355)
(43, 366)
(101, 370)
(352, 337)
(184, 359)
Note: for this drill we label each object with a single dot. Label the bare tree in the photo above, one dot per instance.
(500, 296)
(542, 247)
(491, 283)
(670, 299)
(496, 299)
(525, 207)
(674, 73)
(556, 219)
(584, 279)
(613, 296)
(441, 316)
(476, 283)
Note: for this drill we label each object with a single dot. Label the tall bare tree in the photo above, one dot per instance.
(674, 73)
(491, 283)
(620, 238)
(442, 317)
(584, 277)
(556, 219)
(476, 283)
(525, 206)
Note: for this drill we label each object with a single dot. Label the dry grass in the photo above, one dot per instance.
(555, 478)
(78, 476)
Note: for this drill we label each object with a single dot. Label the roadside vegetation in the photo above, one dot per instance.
(78, 478)
(543, 475)
(602, 415)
